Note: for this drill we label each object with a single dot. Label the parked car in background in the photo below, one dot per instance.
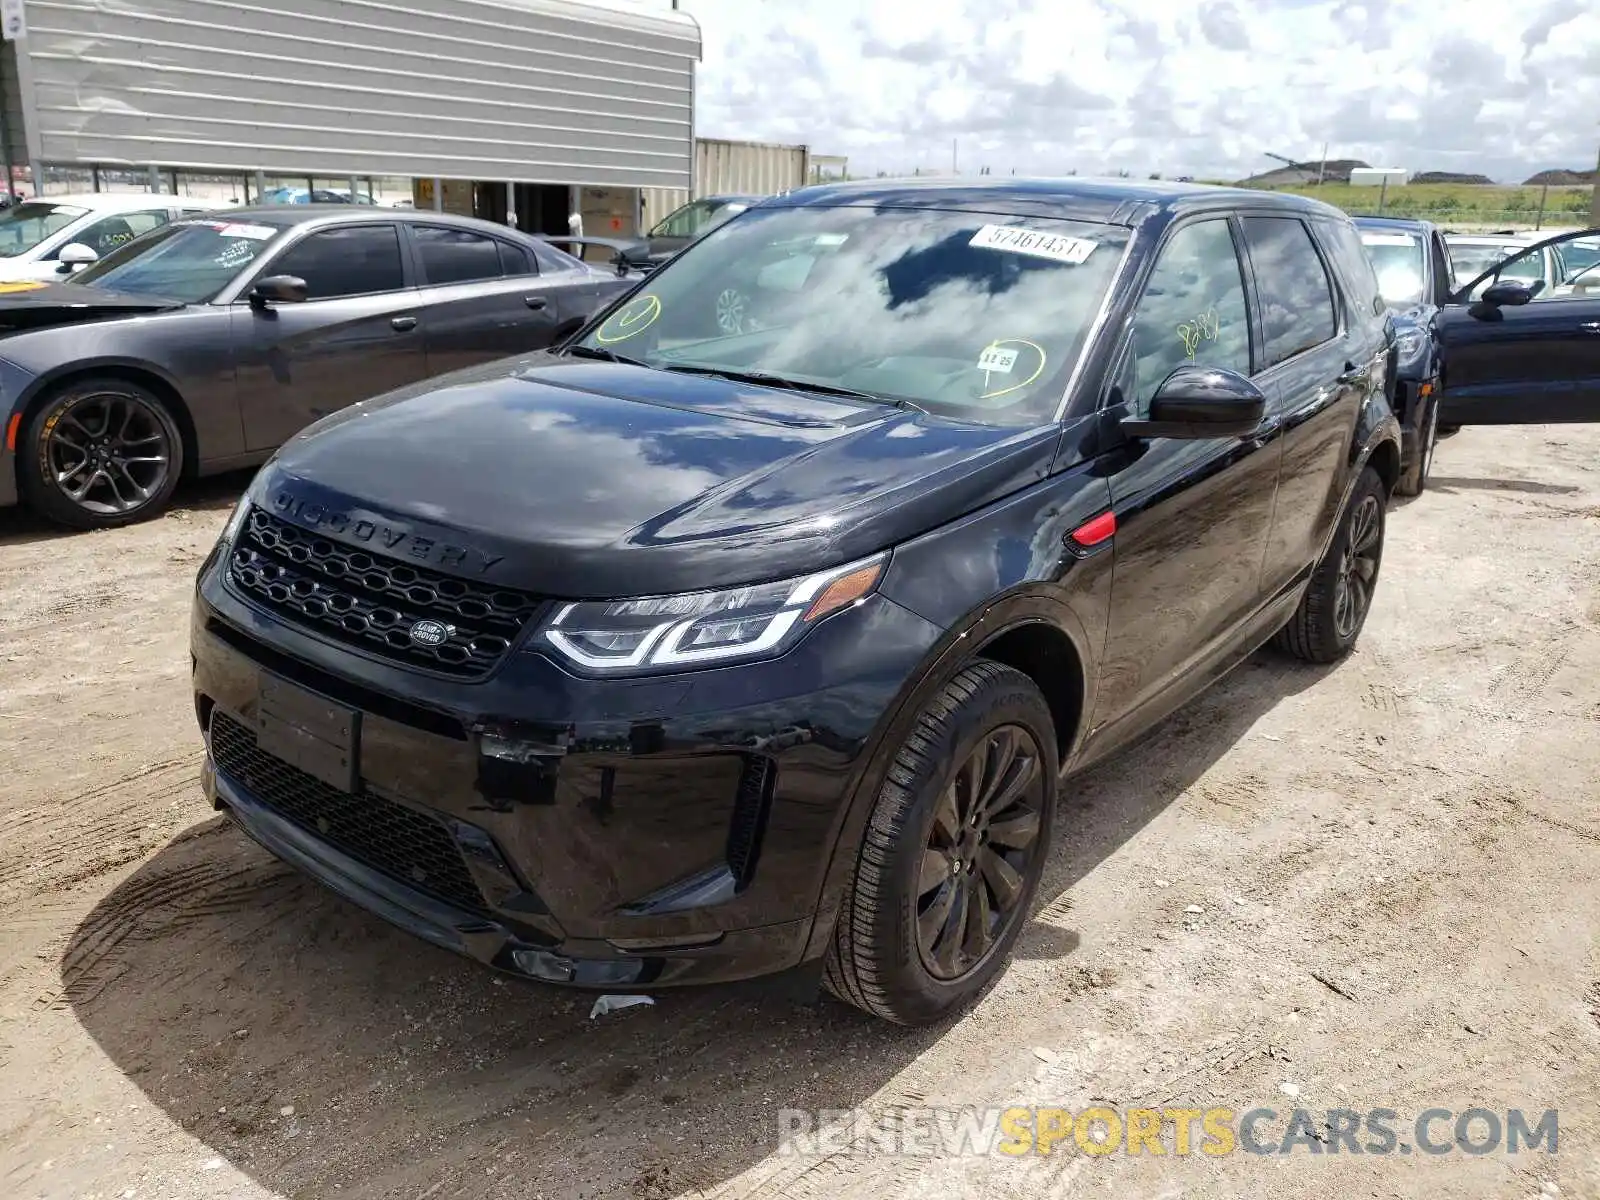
(1471, 254)
(299, 195)
(1415, 279)
(683, 225)
(206, 344)
(673, 655)
(52, 238)
(1520, 344)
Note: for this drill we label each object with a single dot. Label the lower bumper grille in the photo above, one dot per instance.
(403, 843)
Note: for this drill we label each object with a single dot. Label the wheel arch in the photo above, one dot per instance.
(1025, 629)
(143, 374)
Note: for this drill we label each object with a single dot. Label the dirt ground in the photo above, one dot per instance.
(1396, 864)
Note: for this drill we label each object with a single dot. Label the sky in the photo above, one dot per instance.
(1194, 88)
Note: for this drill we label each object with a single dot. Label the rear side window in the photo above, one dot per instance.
(355, 260)
(1297, 310)
(456, 255)
(514, 260)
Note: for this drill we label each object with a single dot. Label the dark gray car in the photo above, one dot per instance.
(206, 344)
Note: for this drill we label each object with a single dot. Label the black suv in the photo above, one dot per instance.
(674, 655)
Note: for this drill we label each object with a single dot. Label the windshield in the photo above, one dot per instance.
(188, 260)
(976, 315)
(1577, 256)
(24, 226)
(1398, 261)
(1471, 259)
(697, 217)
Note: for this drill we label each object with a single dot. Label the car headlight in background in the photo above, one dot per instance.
(1412, 341)
(704, 628)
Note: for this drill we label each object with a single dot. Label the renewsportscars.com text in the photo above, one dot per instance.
(1101, 1130)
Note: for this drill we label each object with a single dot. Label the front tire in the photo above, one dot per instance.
(952, 853)
(1336, 602)
(1414, 480)
(100, 453)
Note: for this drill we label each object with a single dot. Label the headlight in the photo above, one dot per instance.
(1412, 342)
(236, 521)
(615, 637)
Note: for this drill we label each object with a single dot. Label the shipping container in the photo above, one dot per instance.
(757, 168)
(721, 167)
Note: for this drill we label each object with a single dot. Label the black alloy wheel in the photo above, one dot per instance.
(980, 848)
(104, 452)
(1338, 596)
(954, 847)
(1358, 567)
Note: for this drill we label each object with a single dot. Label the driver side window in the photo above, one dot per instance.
(1192, 310)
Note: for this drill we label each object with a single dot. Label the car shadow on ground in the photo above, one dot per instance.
(315, 1048)
(216, 493)
(1451, 483)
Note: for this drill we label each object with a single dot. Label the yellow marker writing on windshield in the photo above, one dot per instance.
(632, 319)
(7, 289)
(1038, 370)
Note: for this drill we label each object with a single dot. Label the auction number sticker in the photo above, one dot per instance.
(632, 319)
(1017, 239)
(256, 233)
(997, 358)
(1388, 239)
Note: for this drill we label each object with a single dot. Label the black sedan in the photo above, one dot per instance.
(206, 344)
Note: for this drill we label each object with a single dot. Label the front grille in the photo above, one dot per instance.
(405, 844)
(373, 602)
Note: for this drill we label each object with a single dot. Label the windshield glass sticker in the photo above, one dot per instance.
(256, 233)
(1024, 350)
(632, 319)
(831, 239)
(1387, 239)
(1014, 239)
(1204, 328)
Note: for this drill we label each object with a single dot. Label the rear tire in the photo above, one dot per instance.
(100, 453)
(944, 880)
(1336, 602)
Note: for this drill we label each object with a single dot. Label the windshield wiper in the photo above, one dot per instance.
(765, 379)
(605, 355)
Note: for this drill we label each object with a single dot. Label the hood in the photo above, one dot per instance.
(34, 305)
(580, 479)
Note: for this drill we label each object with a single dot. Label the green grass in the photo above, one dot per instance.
(1462, 203)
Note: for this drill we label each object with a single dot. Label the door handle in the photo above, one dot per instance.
(535, 302)
(401, 324)
(1354, 375)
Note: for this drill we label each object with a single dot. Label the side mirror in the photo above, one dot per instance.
(278, 289)
(1506, 292)
(1201, 402)
(74, 255)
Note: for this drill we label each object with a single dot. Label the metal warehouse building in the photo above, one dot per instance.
(512, 109)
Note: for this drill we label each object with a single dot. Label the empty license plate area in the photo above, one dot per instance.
(310, 732)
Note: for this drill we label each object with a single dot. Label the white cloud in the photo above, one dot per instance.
(1048, 86)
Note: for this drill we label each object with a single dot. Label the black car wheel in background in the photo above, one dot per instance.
(101, 452)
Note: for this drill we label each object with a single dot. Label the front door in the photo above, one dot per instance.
(1193, 516)
(481, 298)
(357, 335)
(1533, 362)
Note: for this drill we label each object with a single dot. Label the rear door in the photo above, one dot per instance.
(482, 297)
(358, 333)
(1532, 363)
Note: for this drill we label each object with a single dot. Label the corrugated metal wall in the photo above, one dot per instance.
(551, 91)
(12, 99)
(759, 168)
